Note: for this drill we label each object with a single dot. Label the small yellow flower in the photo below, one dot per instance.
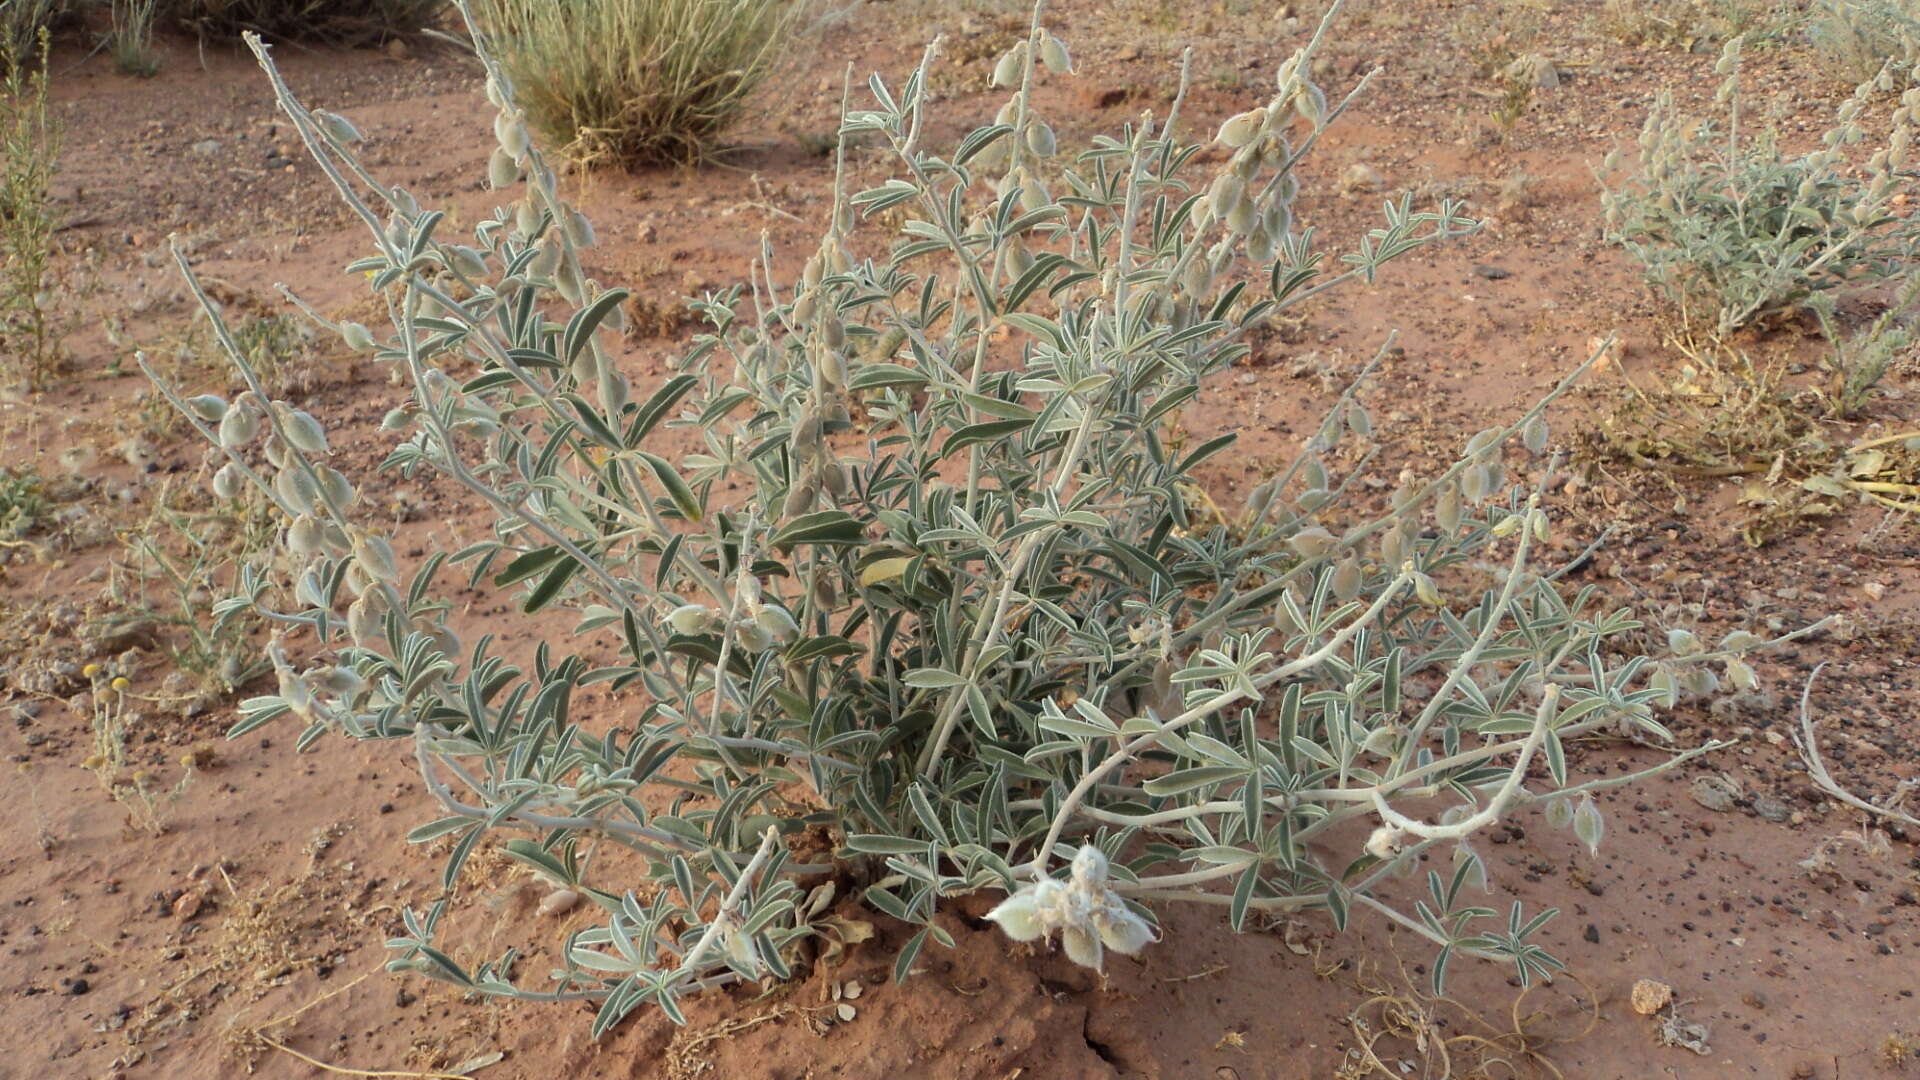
(90, 670)
(120, 682)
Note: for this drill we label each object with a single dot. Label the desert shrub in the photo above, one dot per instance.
(131, 39)
(1731, 228)
(24, 506)
(1854, 39)
(636, 81)
(338, 22)
(21, 22)
(29, 153)
(1688, 25)
(934, 605)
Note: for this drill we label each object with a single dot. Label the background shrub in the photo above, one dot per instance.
(20, 24)
(1730, 228)
(338, 22)
(636, 81)
(936, 604)
(1854, 39)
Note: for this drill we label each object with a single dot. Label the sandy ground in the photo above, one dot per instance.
(246, 936)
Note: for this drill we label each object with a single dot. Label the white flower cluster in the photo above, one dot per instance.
(1090, 916)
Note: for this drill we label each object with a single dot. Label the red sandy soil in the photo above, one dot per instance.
(259, 913)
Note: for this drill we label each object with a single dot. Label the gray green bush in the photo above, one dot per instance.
(1731, 228)
(636, 81)
(935, 605)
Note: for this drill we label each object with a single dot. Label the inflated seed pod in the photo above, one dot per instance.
(1311, 542)
(1473, 484)
(511, 132)
(1346, 578)
(1053, 53)
(334, 539)
(1226, 192)
(804, 306)
(833, 331)
(1040, 139)
(799, 499)
(357, 337)
(502, 171)
(1197, 278)
(1446, 509)
(337, 488)
(1260, 246)
(1393, 546)
(1240, 219)
(227, 481)
(209, 407)
(363, 625)
(303, 536)
(752, 637)
(304, 432)
(375, 555)
(580, 230)
(1241, 128)
(1012, 64)
(1534, 435)
(776, 620)
(1311, 104)
(526, 216)
(836, 478)
(238, 428)
(468, 262)
(1313, 499)
(296, 489)
(337, 127)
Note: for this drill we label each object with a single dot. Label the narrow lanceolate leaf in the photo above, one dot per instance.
(683, 497)
(580, 328)
(821, 527)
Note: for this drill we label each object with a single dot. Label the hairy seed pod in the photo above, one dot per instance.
(1034, 195)
(1358, 421)
(799, 499)
(357, 337)
(1226, 193)
(209, 407)
(1053, 53)
(1007, 112)
(1346, 578)
(1313, 473)
(1040, 139)
(334, 539)
(375, 555)
(1482, 442)
(1506, 526)
(580, 230)
(1313, 499)
(468, 262)
(1241, 128)
(1474, 485)
(296, 489)
(363, 625)
(1240, 219)
(1260, 246)
(1311, 542)
(303, 432)
(1197, 279)
(238, 428)
(511, 133)
(336, 487)
(1011, 66)
(1446, 509)
(1393, 546)
(836, 479)
(834, 332)
(1019, 259)
(337, 127)
(778, 623)
(226, 482)
(1534, 435)
(804, 306)
(303, 536)
(526, 217)
(1311, 104)
(1259, 501)
(502, 171)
